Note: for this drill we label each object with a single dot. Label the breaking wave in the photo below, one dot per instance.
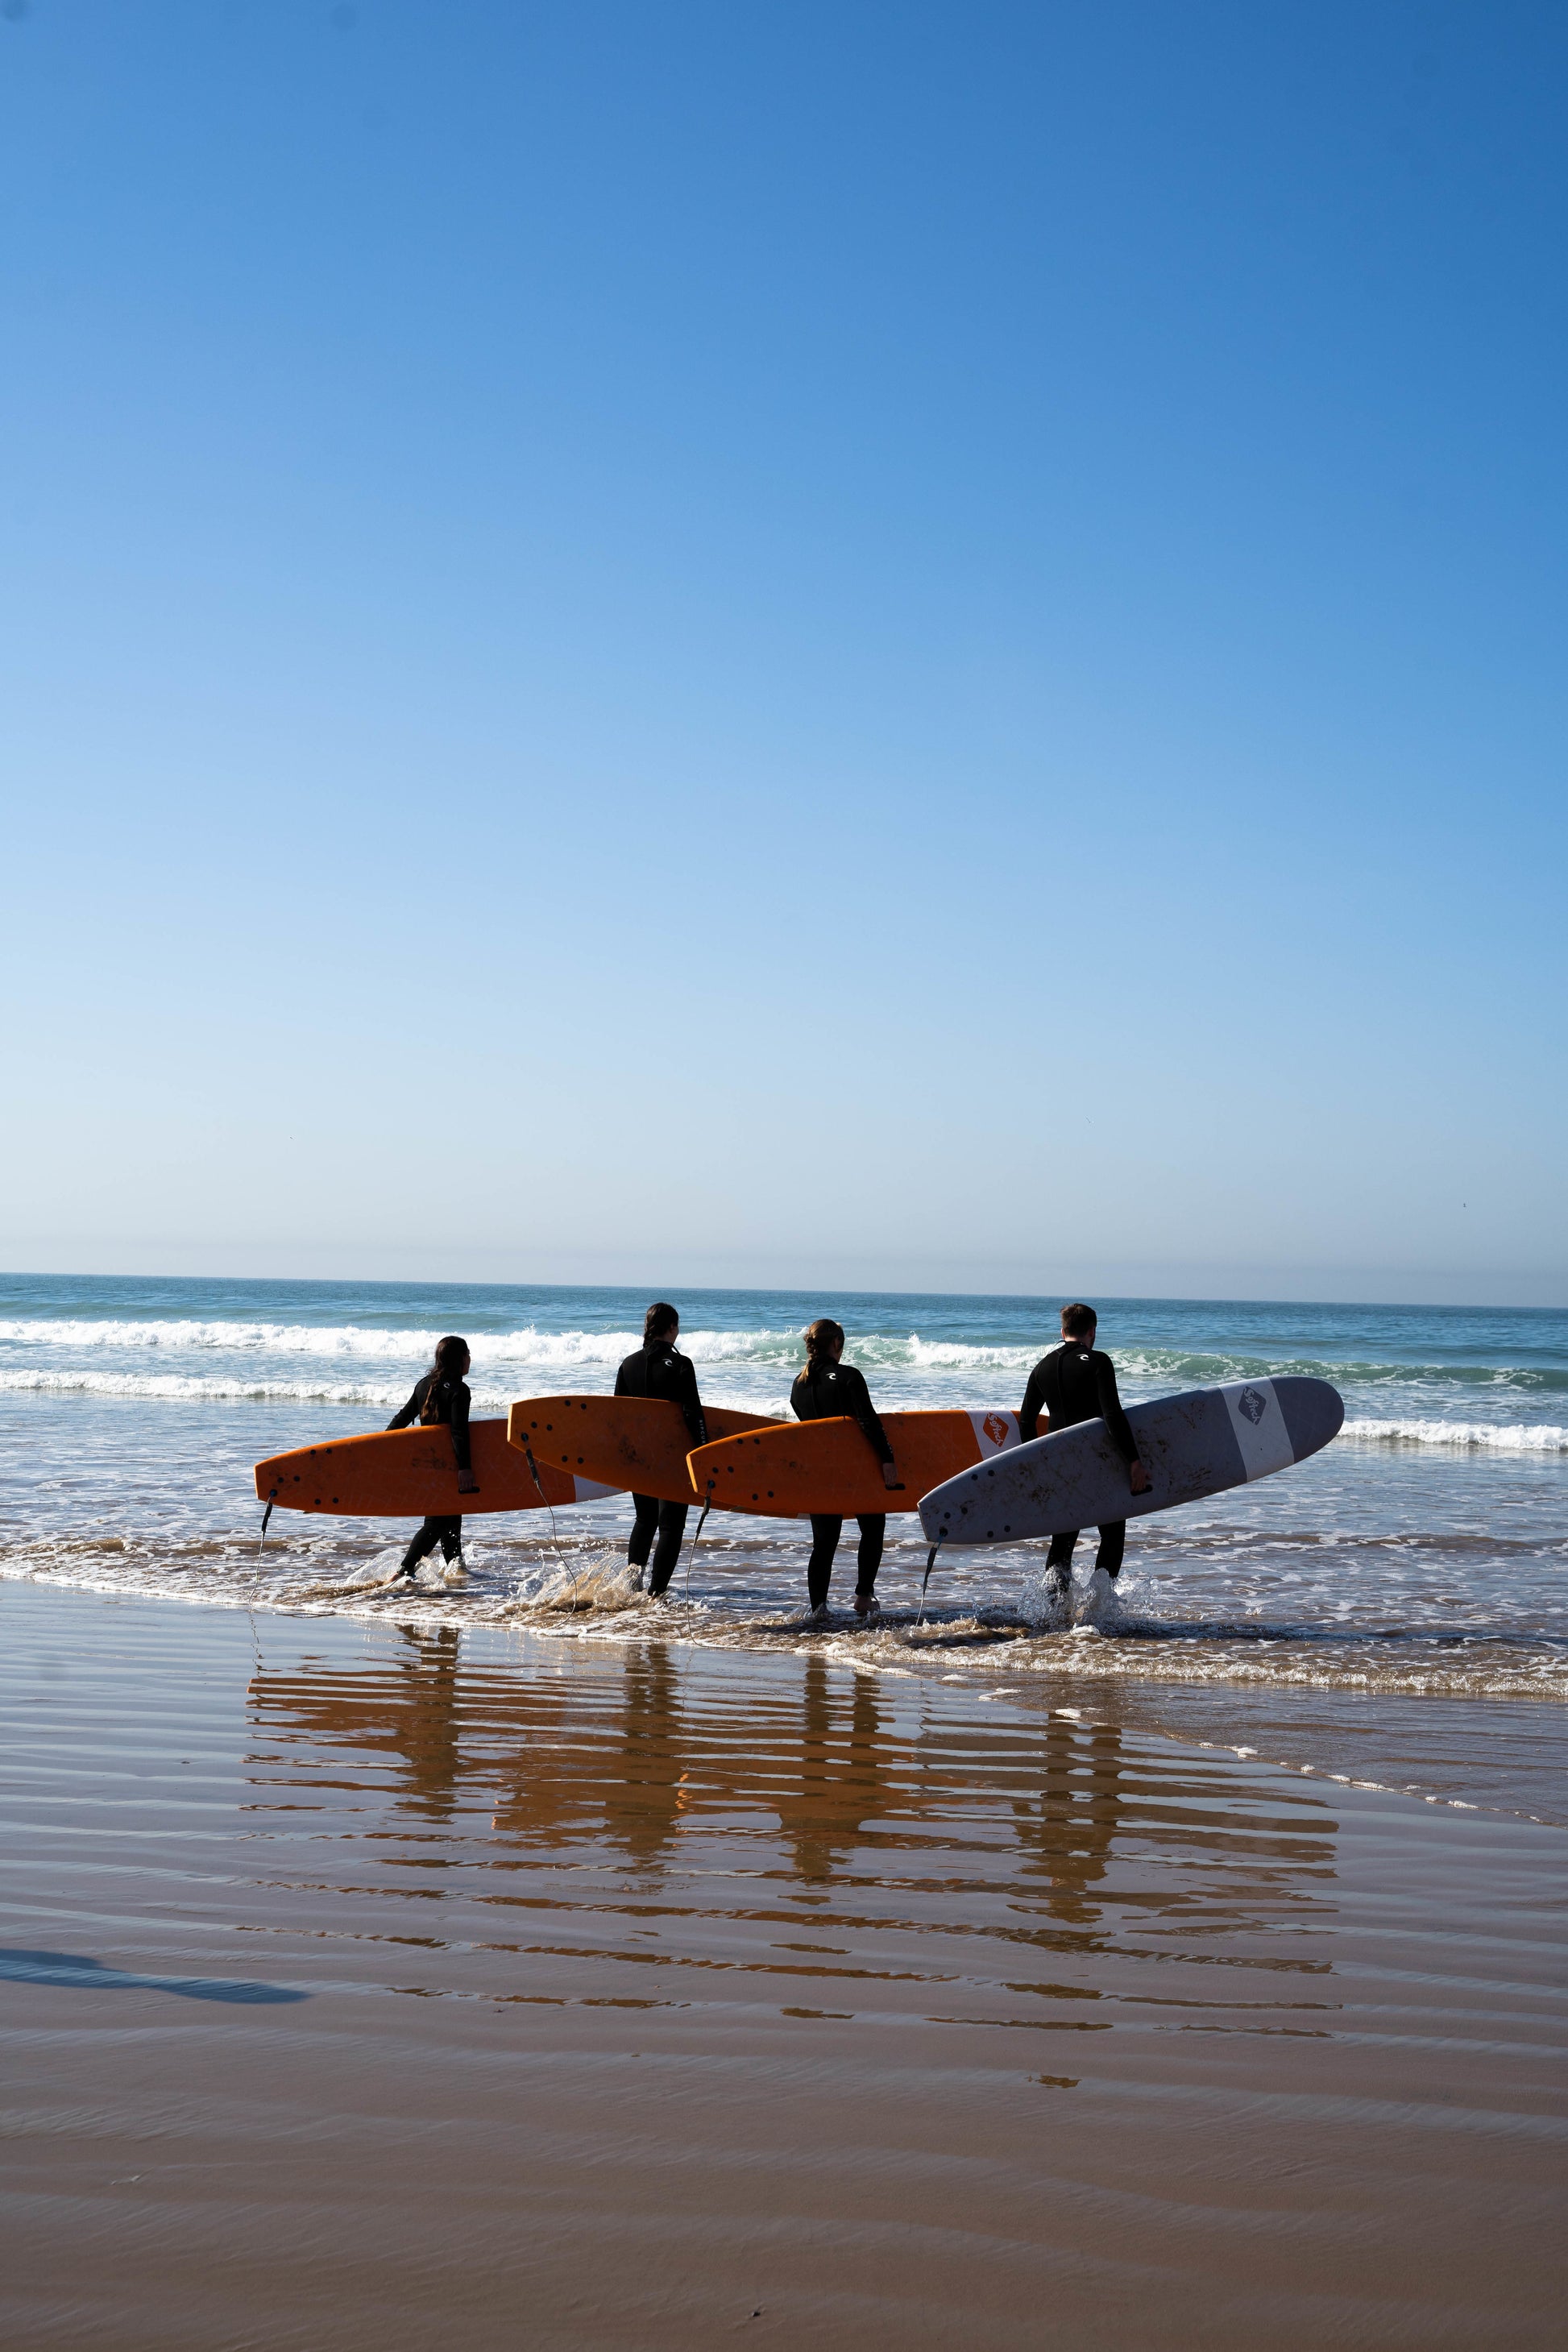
(530, 1348)
(1478, 1436)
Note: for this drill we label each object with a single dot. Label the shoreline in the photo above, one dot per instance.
(441, 1980)
(1514, 1761)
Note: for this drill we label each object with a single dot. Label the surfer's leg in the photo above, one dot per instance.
(825, 1531)
(424, 1542)
(1112, 1544)
(667, 1552)
(646, 1520)
(1059, 1560)
(873, 1529)
(451, 1539)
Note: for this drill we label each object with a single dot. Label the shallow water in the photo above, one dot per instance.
(1422, 1559)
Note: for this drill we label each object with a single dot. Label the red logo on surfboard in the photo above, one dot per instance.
(995, 1428)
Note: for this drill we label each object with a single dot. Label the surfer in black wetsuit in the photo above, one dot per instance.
(826, 1388)
(658, 1370)
(442, 1398)
(1075, 1382)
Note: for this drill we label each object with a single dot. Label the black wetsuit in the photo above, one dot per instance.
(658, 1370)
(1075, 1382)
(822, 1391)
(442, 1402)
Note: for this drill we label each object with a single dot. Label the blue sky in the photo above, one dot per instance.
(908, 646)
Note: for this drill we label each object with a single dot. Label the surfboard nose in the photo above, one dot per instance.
(1314, 1411)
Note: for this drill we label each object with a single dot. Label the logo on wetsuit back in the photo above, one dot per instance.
(1252, 1404)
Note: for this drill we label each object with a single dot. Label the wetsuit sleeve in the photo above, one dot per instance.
(411, 1410)
(859, 1403)
(1033, 1398)
(1110, 1404)
(621, 1389)
(460, 1426)
(691, 1403)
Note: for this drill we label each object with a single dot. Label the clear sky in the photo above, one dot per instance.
(881, 645)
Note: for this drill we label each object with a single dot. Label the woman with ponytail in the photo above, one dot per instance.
(441, 1398)
(658, 1368)
(826, 1388)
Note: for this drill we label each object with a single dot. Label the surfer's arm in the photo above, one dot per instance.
(864, 1413)
(467, 1482)
(410, 1410)
(1029, 1410)
(692, 1403)
(1117, 1422)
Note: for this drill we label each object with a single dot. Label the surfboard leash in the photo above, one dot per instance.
(265, 1514)
(707, 1506)
(930, 1563)
(555, 1535)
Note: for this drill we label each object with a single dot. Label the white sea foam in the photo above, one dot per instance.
(183, 1388)
(194, 1359)
(1481, 1436)
(527, 1346)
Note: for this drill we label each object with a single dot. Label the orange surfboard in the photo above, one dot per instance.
(798, 1466)
(637, 1441)
(410, 1473)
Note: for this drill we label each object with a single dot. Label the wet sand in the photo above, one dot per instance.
(372, 1987)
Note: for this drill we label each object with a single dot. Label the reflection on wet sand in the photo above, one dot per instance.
(842, 1778)
(653, 1992)
(731, 1792)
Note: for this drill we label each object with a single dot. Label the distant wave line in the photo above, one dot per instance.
(528, 1350)
(180, 1387)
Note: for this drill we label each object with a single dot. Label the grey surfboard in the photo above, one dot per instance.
(1195, 1444)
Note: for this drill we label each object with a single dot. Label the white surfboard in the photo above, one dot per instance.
(1192, 1445)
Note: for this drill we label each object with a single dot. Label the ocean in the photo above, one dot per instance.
(1392, 1612)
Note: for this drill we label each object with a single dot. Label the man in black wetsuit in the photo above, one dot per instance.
(1075, 1382)
(827, 1388)
(657, 1369)
(442, 1399)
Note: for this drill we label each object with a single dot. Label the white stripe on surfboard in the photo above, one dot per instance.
(994, 1431)
(1260, 1427)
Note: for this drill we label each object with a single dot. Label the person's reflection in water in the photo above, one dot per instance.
(842, 1782)
(1253, 1867)
(410, 1712)
(1068, 1830)
(643, 1807)
(597, 1756)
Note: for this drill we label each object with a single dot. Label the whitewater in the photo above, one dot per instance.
(1424, 1557)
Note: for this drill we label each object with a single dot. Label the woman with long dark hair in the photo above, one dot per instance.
(441, 1398)
(827, 1387)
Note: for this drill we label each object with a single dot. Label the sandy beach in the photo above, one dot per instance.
(372, 1987)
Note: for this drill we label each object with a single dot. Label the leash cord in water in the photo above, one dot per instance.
(930, 1563)
(555, 1535)
(697, 1539)
(265, 1514)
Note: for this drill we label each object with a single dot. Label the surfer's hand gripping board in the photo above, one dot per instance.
(795, 1468)
(412, 1474)
(1195, 1444)
(639, 1443)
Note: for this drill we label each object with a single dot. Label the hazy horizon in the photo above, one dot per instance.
(1180, 1288)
